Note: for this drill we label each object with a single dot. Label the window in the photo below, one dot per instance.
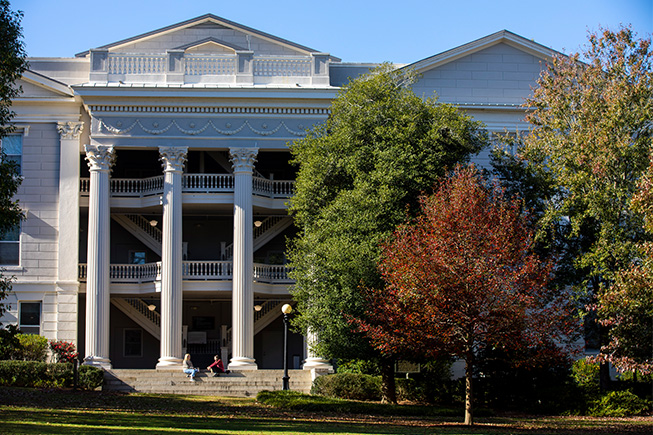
(29, 317)
(136, 257)
(10, 247)
(133, 342)
(12, 146)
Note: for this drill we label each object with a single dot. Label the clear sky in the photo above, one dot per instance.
(400, 31)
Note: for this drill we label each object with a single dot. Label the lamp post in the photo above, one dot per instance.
(286, 310)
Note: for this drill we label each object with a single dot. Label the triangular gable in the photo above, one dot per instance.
(35, 84)
(503, 36)
(208, 21)
(210, 45)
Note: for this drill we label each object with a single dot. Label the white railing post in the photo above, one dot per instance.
(320, 70)
(99, 65)
(245, 67)
(175, 66)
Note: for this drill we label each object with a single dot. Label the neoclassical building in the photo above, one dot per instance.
(156, 175)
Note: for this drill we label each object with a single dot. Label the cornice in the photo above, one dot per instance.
(123, 108)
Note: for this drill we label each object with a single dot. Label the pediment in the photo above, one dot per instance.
(207, 32)
(210, 46)
(36, 85)
(503, 37)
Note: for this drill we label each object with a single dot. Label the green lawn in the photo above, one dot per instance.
(29, 411)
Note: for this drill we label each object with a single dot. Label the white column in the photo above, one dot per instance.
(313, 360)
(68, 229)
(100, 158)
(173, 159)
(243, 274)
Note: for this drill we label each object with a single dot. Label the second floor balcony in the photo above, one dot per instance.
(191, 271)
(193, 183)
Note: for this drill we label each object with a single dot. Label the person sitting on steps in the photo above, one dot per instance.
(189, 368)
(217, 367)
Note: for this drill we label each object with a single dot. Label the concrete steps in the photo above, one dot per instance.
(234, 384)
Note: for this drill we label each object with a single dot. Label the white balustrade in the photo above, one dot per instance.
(271, 273)
(202, 65)
(207, 270)
(205, 183)
(282, 66)
(136, 64)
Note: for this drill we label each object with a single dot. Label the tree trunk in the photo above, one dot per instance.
(388, 386)
(469, 373)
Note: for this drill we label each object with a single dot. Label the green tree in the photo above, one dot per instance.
(359, 173)
(586, 151)
(12, 64)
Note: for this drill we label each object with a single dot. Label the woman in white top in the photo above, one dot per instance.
(188, 367)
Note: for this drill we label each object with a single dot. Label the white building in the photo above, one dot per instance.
(156, 175)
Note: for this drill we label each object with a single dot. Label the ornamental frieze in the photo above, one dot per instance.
(196, 127)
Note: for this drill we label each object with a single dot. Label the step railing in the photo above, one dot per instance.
(145, 225)
(192, 183)
(144, 309)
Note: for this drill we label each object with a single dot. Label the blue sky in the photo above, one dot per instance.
(401, 31)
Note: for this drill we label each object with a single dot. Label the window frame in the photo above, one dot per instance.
(18, 158)
(124, 342)
(16, 242)
(22, 325)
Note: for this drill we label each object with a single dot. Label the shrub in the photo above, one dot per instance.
(618, 404)
(43, 375)
(359, 366)
(90, 377)
(586, 377)
(32, 347)
(63, 351)
(352, 386)
(9, 343)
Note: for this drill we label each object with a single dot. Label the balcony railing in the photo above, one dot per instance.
(191, 271)
(178, 67)
(192, 183)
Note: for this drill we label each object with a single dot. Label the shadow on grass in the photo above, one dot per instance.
(29, 411)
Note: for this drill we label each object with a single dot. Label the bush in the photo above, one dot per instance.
(352, 386)
(32, 347)
(9, 343)
(586, 377)
(43, 375)
(619, 404)
(90, 377)
(63, 351)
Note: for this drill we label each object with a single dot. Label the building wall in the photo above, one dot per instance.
(500, 74)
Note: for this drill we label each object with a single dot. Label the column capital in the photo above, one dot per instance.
(243, 159)
(99, 157)
(173, 158)
(70, 129)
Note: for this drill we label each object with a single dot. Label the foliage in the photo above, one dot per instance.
(463, 275)
(585, 154)
(619, 404)
(9, 343)
(586, 378)
(352, 386)
(14, 63)
(63, 351)
(365, 367)
(48, 375)
(32, 348)
(381, 147)
(90, 377)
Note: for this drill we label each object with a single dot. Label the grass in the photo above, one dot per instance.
(30, 411)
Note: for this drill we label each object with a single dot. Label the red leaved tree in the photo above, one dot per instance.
(463, 275)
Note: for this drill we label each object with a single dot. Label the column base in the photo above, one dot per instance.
(97, 361)
(317, 363)
(168, 362)
(242, 363)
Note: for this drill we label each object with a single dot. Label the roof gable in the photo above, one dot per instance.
(38, 85)
(502, 37)
(207, 27)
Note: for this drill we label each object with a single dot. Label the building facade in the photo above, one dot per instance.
(156, 175)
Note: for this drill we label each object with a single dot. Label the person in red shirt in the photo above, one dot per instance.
(217, 367)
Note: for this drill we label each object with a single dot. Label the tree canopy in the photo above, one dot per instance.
(582, 160)
(12, 65)
(359, 174)
(462, 276)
